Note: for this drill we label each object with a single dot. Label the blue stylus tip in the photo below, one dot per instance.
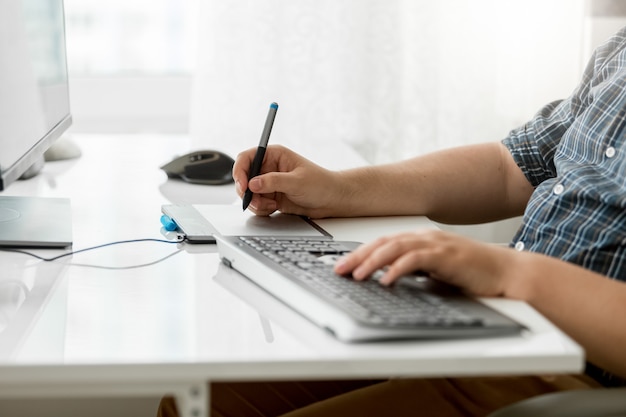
(274, 105)
(168, 224)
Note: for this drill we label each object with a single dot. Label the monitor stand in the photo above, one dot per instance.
(35, 222)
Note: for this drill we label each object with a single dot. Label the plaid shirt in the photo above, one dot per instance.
(574, 153)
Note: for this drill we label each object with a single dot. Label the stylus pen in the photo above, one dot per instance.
(255, 167)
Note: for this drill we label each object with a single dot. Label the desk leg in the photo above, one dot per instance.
(193, 401)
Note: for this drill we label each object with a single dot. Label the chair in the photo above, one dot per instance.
(601, 402)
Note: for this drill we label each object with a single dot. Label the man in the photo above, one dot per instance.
(565, 170)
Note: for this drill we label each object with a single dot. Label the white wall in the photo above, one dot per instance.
(130, 104)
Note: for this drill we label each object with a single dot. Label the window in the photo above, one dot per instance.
(130, 63)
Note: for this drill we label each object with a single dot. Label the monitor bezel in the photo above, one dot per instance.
(35, 154)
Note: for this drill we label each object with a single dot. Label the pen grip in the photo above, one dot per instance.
(257, 162)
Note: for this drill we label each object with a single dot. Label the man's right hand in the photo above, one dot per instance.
(288, 183)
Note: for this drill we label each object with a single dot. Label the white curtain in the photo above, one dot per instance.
(394, 78)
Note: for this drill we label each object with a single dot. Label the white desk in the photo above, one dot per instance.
(96, 325)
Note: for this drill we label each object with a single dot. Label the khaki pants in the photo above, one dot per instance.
(441, 397)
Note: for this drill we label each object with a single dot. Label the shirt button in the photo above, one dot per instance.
(519, 246)
(610, 152)
(558, 189)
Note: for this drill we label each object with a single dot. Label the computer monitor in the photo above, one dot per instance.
(34, 112)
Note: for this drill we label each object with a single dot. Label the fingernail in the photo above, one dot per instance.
(340, 266)
(357, 274)
(384, 280)
(254, 184)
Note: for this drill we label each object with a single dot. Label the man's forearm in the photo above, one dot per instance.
(470, 184)
(587, 306)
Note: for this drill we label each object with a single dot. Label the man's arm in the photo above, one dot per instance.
(469, 184)
(585, 305)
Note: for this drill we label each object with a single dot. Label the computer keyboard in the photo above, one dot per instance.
(406, 304)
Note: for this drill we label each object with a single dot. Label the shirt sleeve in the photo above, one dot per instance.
(534, 144)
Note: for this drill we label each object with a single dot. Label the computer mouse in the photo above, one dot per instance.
(201, 167)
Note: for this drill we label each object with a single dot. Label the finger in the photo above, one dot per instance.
(241, 167)
(264, 202)
(432, 252)
(383, 255)
(262, 206)
(276, 182)
(363, 261)
(346, 264)
(407, 264)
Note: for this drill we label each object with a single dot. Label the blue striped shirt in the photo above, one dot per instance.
(574, 153)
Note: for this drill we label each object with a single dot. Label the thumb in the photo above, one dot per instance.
(272, 182)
